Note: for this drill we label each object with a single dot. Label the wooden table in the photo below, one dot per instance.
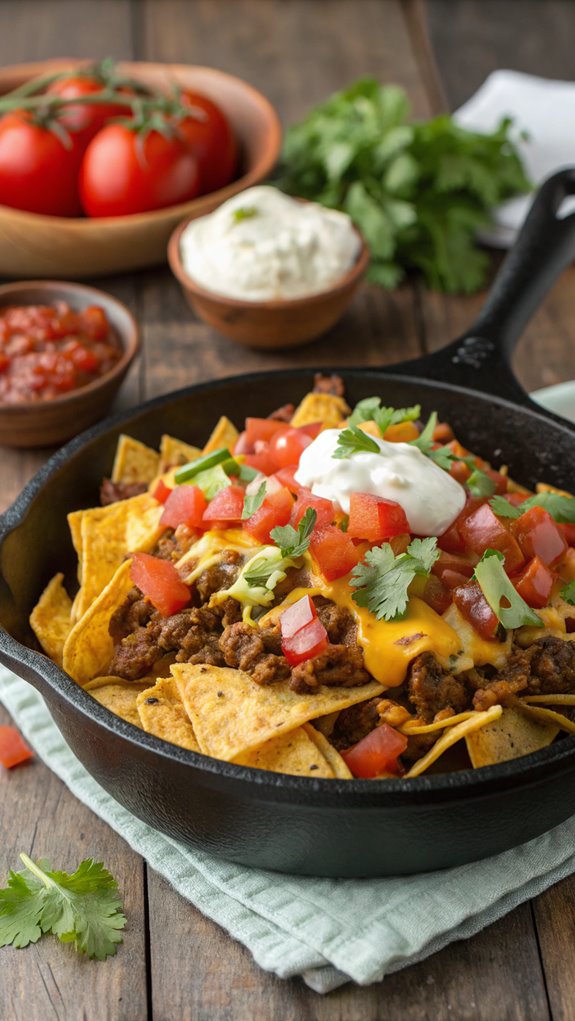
(176, 965)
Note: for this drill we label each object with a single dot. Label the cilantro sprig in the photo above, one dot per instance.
(82, 908)
(354, 440)
(371, 410)
(479, 483)
(383, 579)
(510, 609)
(568, 592)
(561, 508)
(294, 543)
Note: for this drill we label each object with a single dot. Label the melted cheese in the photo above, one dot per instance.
(475, 650)
(207, 551)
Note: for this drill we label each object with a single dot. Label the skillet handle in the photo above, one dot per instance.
(481, 358)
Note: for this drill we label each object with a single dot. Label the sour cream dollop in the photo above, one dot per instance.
(429, 496)
(261, 245)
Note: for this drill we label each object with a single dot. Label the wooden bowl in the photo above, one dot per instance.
(33, 245)
(287, 322)
(45, 423)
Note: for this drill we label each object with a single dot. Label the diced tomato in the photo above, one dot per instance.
(374, 518)
(399, 543)
(13, 748)
(453, 579)
(454, 562)
(261, 429)
(287, 446)
(185, 505)
(442, 433)
(263, 461)
(459, 471)
(241, 445)
(568, 531)
(161, 491)
(403, 432)
(160, 583)
(376, 753)
(334, 551)
(516, 499)
(452, 541)
(297, 616)
(539, 535)
(286, 477)
(312, 429)
(436, 595)
(482, 530)
(324, 509)
(535, 582)
(473, 605)
(275, 510)
(308, 642)
(501, 481)
(227, 505)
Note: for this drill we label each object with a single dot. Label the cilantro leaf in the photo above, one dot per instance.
(291, 543)
(81, 908)
(253, 501)
(425, 439)
(354, 440)
(479, 484)
(568, 593)
(382, 580)
(510, 609)
(561, 508)
(499, 505)
(370, 410)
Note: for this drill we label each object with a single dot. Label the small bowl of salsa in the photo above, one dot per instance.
(64, 351)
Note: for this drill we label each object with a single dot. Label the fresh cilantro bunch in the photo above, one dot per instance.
(82, 908)
(418, 191)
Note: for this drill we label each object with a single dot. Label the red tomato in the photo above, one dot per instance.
(85, 120)
(211, 141)
(308, 642)
(297, 616)
(161, 491)
(569, 533)
(535, 582)
(259, 429)
(324, 509)
(539, 535)
(286, 477)
(262, 462)
(436, 595)
(287, 446)
(501, 481)
(160, 583)
(226, 506)
(374, 518)
(312, 429)
(37, 172)
(13, 748)
(274, 511)
(453, 562)
(123, 172)
(482, 530)
(376, 753)
(334, 552)
(185, 505)
(473, 605)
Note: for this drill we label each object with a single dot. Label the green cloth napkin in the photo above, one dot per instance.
(328, 931)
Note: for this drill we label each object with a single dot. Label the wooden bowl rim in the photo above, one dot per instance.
(353, 274)
(82, 224)
(130, 341)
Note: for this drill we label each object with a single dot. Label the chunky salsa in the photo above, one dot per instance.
(48, 350)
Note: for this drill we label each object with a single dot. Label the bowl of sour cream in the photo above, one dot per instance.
(268, 270)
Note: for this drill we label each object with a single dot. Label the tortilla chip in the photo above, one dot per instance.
(51, 618)
(453, 734)
(325, 408)
(75, 523)
(543, 487)
(108, 535)
(551, 717)
(89, 648)
(224, 434)
(334, 759)
(162, 713)
(231, 714)
(549, 699)
(510, 736)
(294, 753)
(120, 697)
(134, 461)
(175, 452)
(412, 727)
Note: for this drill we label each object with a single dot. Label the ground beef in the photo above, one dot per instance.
(111, 492)
(135, 612)
(174, 543)
(192, 636)
(354, 723)
(136, 654)
(323, 384)
(337, 620)
(431, 689)
(255, 650)
(547, 667)
(219, 576)
(283, 414)
(340, 665)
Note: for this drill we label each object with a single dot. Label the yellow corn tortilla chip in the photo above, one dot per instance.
(451, 736)
(175, 452)
(224, 434)
(543, 487)
(89, 649)
(325, 408)
(120, 697)
(294, 753)
(51, 618)
(411, 727)
(134, 461)
(334, 759)
(548, 699)
(108, 535)
(550, 717)
(162, 713)
(231, 714)
(75, 524)
(510, 736)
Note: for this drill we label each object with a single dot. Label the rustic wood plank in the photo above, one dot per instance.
(555, 920)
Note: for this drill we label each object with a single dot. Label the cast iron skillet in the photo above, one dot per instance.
(292, 824)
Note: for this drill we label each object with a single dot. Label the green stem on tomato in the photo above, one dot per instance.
(145, 107)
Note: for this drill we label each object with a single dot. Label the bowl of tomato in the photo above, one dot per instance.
(65, 349)
(99, 164)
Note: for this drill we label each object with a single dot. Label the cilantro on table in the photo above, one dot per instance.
(510, 609)
(383, 579)
(568, 592)
(294, 543)
(370, 410)
(418, 190)
(561, 508)
(82, 908)
(253, 501)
